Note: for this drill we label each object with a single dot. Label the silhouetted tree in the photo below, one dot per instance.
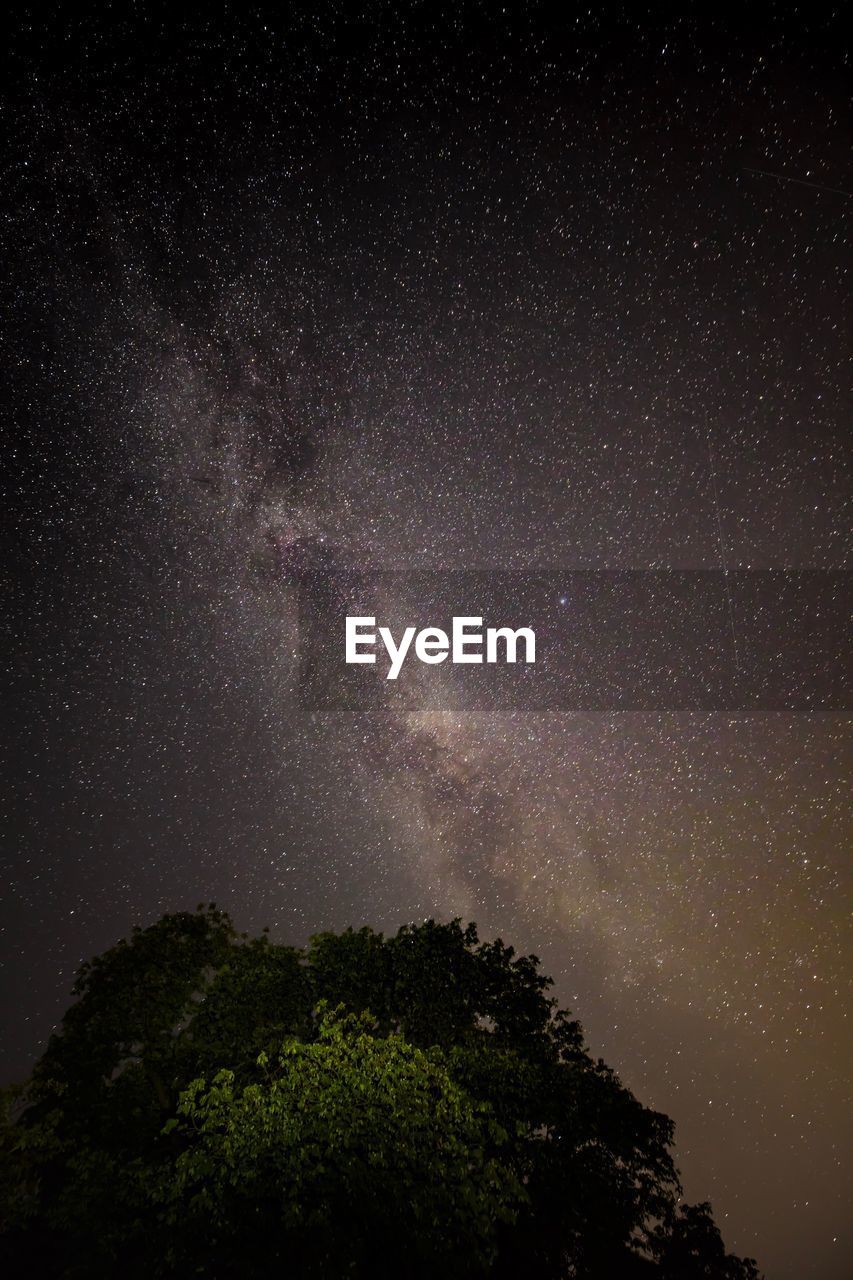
(414, 1105)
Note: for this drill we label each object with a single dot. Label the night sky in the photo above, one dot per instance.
(439, 287)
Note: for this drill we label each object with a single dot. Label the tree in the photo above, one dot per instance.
(202, 1110)
(344, 1143)
(694, 1247)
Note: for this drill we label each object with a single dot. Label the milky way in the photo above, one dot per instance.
(437, 292)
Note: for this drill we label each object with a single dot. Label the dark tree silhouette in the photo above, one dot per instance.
(407, 1106)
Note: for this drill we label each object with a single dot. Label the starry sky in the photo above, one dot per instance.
(419, 289)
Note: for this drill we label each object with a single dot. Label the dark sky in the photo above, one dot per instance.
(441, 287)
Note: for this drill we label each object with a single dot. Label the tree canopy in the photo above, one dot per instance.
(367, 1106)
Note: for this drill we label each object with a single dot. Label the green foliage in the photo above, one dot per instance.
(200, 1112)
(349, 1129)
(439, 985)
(118, 1051)
(260, 996)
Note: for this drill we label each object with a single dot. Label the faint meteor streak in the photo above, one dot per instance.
(802, 182)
